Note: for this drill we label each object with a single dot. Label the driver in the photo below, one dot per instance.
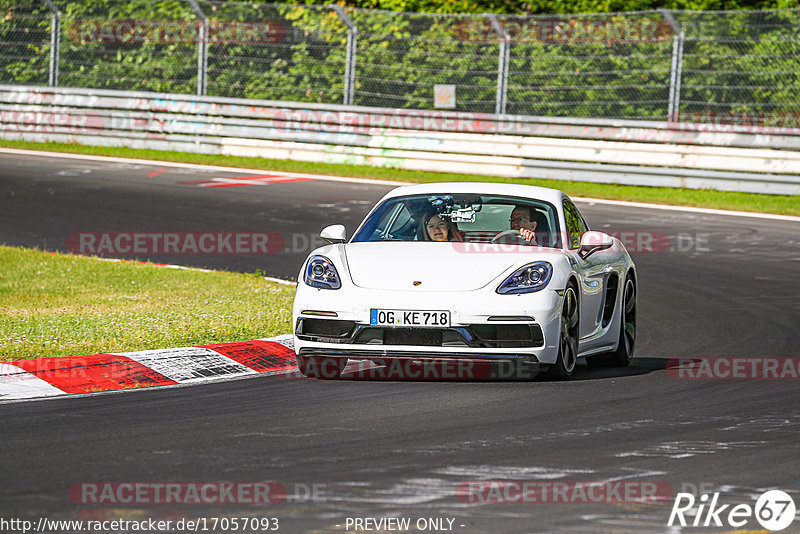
(522, 221)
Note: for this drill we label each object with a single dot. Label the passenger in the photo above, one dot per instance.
(437, 228)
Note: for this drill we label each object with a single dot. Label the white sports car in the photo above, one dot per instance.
(455, 271)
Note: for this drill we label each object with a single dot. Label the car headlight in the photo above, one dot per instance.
(321, 273)
(532, 277)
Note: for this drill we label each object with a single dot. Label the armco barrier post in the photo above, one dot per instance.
(55, 42)
(202, 48)
(502, 64)
(350, 61)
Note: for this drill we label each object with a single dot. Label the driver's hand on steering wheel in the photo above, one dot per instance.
(528, 235)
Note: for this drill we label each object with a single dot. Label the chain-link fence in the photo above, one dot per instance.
(25, 33)
(726, 67)
(741, 67)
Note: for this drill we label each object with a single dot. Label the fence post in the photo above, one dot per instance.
(673, 111)
(55, 42)
(678, 78)
(202, 48)
(502, 65)
(350, 57)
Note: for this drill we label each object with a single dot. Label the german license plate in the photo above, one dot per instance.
(435, 318)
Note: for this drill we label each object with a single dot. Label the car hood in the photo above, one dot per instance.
(436, 266)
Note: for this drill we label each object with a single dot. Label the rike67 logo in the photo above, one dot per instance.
(774, 510)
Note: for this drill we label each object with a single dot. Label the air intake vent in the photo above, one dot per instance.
(325, 327)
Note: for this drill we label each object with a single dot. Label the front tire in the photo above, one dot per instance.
(568, 337)
(623, 356)
(319, 367)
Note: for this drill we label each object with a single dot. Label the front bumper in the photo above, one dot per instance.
(484, 325)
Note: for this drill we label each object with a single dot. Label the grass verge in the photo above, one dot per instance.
(780, 204)
(67, 305)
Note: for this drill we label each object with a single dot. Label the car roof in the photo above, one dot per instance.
(553, 196)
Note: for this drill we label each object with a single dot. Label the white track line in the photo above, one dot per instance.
(184, 267)
(667, 207)
(691, 209)
(280, 281)
(195, 166)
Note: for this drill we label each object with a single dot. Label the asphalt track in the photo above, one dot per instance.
(723, 287)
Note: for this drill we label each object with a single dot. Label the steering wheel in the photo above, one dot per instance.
(507, 233)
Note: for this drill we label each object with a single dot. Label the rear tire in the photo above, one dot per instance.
(623, 356)
(568, 337)
(319, 367)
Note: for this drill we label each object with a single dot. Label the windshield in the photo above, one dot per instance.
(461, 217)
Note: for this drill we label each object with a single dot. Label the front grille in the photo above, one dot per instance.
(423, 336)
(509, 335)
(324, 329)
(487, 336)
(473, 336)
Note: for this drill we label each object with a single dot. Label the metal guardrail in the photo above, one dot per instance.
(622, 152)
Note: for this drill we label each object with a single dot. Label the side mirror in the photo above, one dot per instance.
(592, 242)
(336, 233)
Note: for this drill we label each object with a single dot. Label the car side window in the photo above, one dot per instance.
(576, 226)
